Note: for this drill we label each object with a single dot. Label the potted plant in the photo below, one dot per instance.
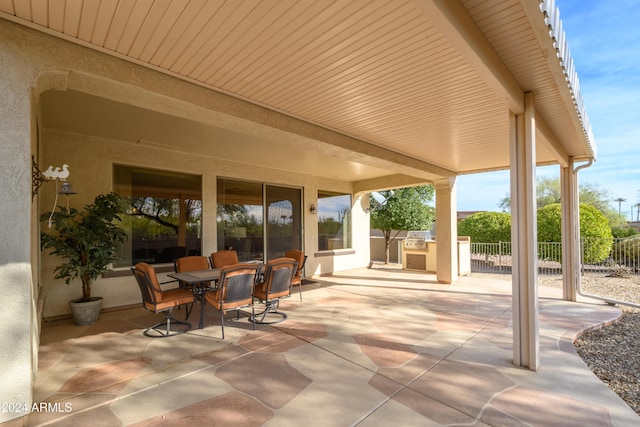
(87, 241)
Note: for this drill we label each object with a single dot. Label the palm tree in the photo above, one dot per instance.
(637, 205)
(620, 200)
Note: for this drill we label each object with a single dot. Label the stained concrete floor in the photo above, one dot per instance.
(367, 347)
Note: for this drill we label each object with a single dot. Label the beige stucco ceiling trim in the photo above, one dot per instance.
(221, 110)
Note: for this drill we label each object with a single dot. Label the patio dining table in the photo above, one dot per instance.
(199, 281)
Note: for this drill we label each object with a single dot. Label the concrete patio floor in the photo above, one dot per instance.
(367, 347)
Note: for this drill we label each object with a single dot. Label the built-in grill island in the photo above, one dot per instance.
(419, 252)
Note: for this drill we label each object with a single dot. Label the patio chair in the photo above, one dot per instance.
(234, 291)
(275, 286)
(191, 263)
(301, 259)
(223, 258)
(157, 300)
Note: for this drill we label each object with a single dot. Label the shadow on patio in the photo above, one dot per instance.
(366, 347)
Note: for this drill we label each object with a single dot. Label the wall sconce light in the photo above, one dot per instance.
(51, 174)
(67, 189)
(313, 209)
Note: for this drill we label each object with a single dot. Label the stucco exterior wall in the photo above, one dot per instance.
(91, 161)
(19, 333)
(31, 63)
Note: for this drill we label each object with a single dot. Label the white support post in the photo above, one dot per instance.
(526, 345)
(570, 232)
(446, 231)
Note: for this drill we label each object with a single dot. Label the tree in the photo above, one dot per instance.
(594, 230)
(154, 216)
(486, 227)
(403, 209)
(548, 192)
(619, 200)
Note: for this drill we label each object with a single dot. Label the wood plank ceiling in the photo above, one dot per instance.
(377, 70)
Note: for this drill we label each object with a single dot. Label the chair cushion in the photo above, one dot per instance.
(224, 258)
(150, 272)
(173, 298)
(191, 263)
(299, 257)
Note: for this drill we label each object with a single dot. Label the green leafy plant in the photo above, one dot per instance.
(403, 209)
(627, 251)
(87, 240)
(594, 231)
(486, 227)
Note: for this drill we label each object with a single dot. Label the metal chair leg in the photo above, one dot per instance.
(167, 322)
(271, 307)
(222, 322)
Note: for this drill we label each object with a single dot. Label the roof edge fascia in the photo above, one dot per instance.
(549, 32)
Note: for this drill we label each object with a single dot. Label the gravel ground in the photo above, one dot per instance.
(611, 352)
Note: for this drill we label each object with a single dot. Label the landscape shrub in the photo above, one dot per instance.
(487, 227)
(627, 251)
(594, 231)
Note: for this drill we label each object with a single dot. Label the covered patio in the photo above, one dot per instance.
(345, 97)
(366, 347)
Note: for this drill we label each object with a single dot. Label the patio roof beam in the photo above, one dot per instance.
(388, 182)
(552, 143)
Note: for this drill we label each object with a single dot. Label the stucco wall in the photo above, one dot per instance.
(378, 249)
(32, 62)
(18, 317)
(91, 160)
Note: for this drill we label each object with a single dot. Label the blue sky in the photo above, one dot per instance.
(604, 40)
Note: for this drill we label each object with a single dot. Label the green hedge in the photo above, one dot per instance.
(486, 227)
(594, 230)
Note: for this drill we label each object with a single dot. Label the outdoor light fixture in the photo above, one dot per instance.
(67, 189)
(313, 209)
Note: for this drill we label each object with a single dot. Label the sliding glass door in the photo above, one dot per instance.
(243, 207)
(284, 220)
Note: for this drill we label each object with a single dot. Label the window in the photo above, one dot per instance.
(334, 220)
(241, 218)
(253, 216)
(164, 214)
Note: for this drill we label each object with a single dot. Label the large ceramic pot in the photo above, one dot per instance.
(86, 312)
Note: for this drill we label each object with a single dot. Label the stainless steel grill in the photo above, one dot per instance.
(417, 239)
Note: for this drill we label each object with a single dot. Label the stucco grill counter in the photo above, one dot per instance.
(419, 253)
